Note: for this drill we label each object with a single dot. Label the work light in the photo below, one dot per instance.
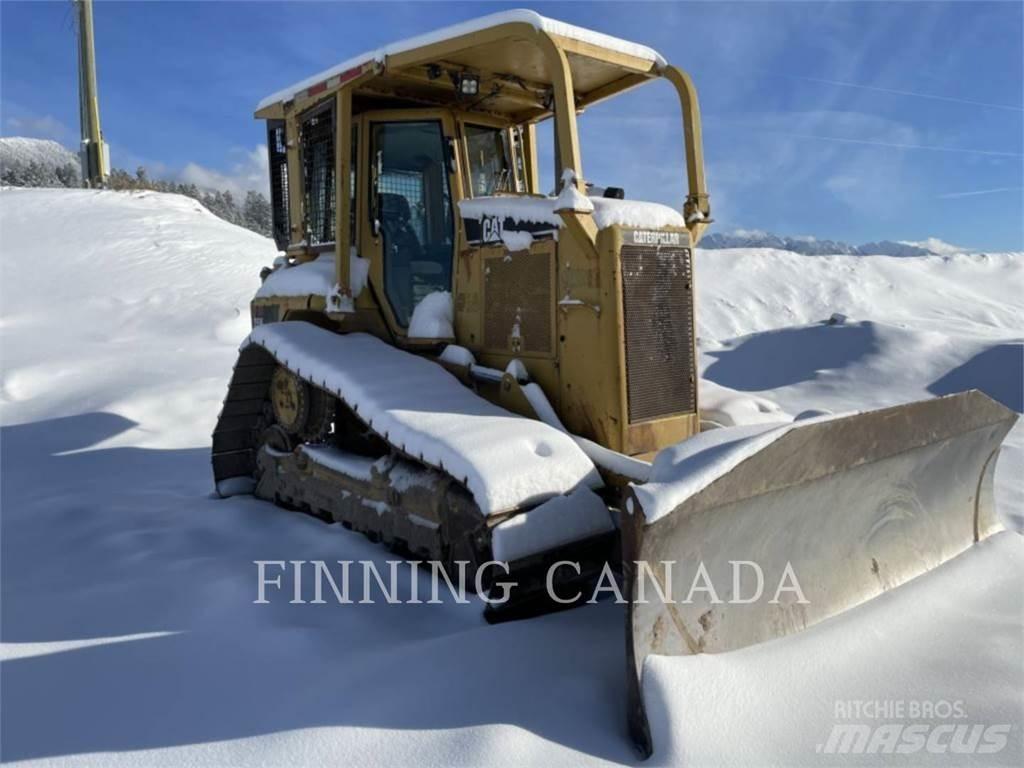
(469, 84)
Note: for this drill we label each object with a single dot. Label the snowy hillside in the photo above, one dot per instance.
(15, 150)
(129, 632)
(126, 303)
(17, 154)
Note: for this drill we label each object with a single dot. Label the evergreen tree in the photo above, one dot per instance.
(256, 213)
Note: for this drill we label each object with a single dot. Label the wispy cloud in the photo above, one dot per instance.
(916, 94)
(871, 142)
(22, 122)
(249, 172)
(976, 192)
(896, 145)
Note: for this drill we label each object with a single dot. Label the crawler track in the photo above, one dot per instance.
(387, 496)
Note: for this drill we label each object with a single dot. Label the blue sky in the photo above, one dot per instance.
(852, 121)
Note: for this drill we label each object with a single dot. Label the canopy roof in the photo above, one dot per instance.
(502, 48)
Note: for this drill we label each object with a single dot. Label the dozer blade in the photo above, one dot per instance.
(831, 512)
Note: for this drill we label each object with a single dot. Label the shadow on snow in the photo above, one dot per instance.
(787, 356)
(107, 542)
(997, 371)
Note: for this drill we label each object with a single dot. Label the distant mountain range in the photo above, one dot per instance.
(814, 247)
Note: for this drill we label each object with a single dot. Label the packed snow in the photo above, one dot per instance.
(561, 520)
(517, 241)
(506, 461)
(129, 631)
(432, 317)
(538, 22)
(457, 355)
(314, 278)
(570, 198)
(353, 465)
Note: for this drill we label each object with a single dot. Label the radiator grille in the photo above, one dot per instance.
(657, 285)
(518, 302)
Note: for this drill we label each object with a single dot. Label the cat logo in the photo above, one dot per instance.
(490, 229)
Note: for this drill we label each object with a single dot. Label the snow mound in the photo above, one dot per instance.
(131, 303)
(561, 520)
(432, 317)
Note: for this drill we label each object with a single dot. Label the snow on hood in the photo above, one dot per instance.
(541, 210)
(314, 277)
(534, 19)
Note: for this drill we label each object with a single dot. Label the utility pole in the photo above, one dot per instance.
(93, 153)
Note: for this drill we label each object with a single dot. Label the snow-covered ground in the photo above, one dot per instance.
(129, 632)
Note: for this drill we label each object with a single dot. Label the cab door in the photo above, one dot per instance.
(412, 189)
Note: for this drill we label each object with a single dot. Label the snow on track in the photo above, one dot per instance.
(505, 460)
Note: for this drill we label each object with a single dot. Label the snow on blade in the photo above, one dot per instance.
(532, 18)
(505, 461)
(558, 521)
(685, 468)
(724, 407)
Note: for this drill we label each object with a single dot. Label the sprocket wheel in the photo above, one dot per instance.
(299, 408)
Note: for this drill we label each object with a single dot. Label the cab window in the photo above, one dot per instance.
(411, 208)
(490, 168)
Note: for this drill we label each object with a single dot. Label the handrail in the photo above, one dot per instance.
(697, 208)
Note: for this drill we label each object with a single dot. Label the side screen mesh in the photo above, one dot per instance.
(408, 184)
(318, 171)
(278, 157)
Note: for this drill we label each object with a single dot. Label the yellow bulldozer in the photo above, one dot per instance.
(451, 361)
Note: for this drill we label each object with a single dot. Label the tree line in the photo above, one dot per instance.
(253, 212)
